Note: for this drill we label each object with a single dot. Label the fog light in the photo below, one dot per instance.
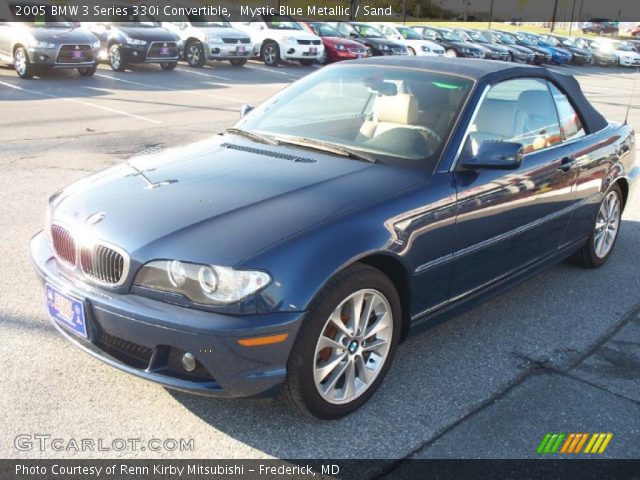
(215, 51)
(189, 362)
(291, 51)
(42, 58)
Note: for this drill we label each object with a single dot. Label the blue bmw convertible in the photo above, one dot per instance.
(294, 252)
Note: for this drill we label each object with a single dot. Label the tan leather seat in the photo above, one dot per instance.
(391, 112)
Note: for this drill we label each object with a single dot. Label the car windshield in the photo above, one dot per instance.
(524, 40)
(409, 33)
(281, 22)
(451, 35)
(367, 31)
(202, 21)
(554, 42)
(506, 39)
(477, 37)
(397, 116)
(324, 30)
(624, 46)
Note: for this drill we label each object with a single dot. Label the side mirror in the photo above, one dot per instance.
(496, 156)
(353, 35)
(245, 110)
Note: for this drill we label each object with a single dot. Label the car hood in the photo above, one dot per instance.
(579, 51)
(297, 34)
(376, 42)
(221, 32)
(493, 47)
(210, 203)
(62, 35)
(149, 34)
(519, 48)
(347, 42)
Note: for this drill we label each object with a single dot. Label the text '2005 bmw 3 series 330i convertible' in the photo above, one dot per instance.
(294, 252)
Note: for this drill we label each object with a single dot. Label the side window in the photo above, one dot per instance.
(570, 123)
(521, 111)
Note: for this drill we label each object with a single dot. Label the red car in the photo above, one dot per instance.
(336, 46)
(635, 31)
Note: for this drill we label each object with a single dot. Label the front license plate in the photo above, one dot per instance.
(164, 51)
(77, 54)
(313, 50)
(239, 49)
(66, 310)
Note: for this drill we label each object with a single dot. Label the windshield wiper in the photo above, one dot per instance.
(252, 136)
(327, 147)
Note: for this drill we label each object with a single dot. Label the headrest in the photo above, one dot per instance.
(401, 108)
(538, 101)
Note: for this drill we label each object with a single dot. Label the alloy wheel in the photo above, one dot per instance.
(353, 346)
(451, 53)
(270, 54)
(607, 225)
(20, 61)
(193, 54)
(114, 57)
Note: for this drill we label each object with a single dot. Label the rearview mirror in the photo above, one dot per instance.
(245, 110)
(496, 156)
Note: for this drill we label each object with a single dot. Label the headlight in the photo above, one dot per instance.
(39, 44)
(341, 47)
(385, 48)
(96, 44)
(135, 41)
(212, 39)
(425, 48)
(465, 50)
(288, 40)
(204, 284)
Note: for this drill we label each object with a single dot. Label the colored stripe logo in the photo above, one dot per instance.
(573, 443)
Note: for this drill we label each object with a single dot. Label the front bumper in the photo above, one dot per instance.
(53, 58)
(301, 52)
(140, 54)
(147, 338)
(631, 62)
(227, 51)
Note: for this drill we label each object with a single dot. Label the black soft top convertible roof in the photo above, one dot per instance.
(487, 72)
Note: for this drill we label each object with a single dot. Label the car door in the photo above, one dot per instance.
(509, 219)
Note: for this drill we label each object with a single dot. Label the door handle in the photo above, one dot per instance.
(565, 164)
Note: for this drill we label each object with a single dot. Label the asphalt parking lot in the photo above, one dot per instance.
(559, 353)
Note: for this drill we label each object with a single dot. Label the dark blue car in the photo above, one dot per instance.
(559, 56)
(294, 252)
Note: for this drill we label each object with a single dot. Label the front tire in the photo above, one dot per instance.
(195, 55)
(116, 58)
(167, 66)
(22, 64)
(411, 51)
(270, 54)
(87, 71)
(451, 53)
(238, 62)
(307, 63)
(597, 250)
(346, 344)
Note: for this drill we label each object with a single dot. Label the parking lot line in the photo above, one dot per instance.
(253, 67)
(168, 89)
(204, 74)
(80, 102)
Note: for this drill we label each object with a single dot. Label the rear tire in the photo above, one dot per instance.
(22, 64)
(270, 54)
(604, 233)
(167, 66)
(324, 388)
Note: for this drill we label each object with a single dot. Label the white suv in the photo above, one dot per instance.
(416, 44)
(279, 37)
(205, 41)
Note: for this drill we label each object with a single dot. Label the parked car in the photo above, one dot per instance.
(453, 44)
(602, 54)
(372, 38)
(600, 26)
(336, 46)
(579, 56)
(542, 55)
(34, 48)
(211, 40)
(625, 51)
(635, 31)
(137, 39)
(416, 44)
(492, 50)
(335, 223)
(280, 37)
(559, 56)
(518, 53)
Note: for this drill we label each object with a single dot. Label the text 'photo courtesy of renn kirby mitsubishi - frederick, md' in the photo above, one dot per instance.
(346, 239)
